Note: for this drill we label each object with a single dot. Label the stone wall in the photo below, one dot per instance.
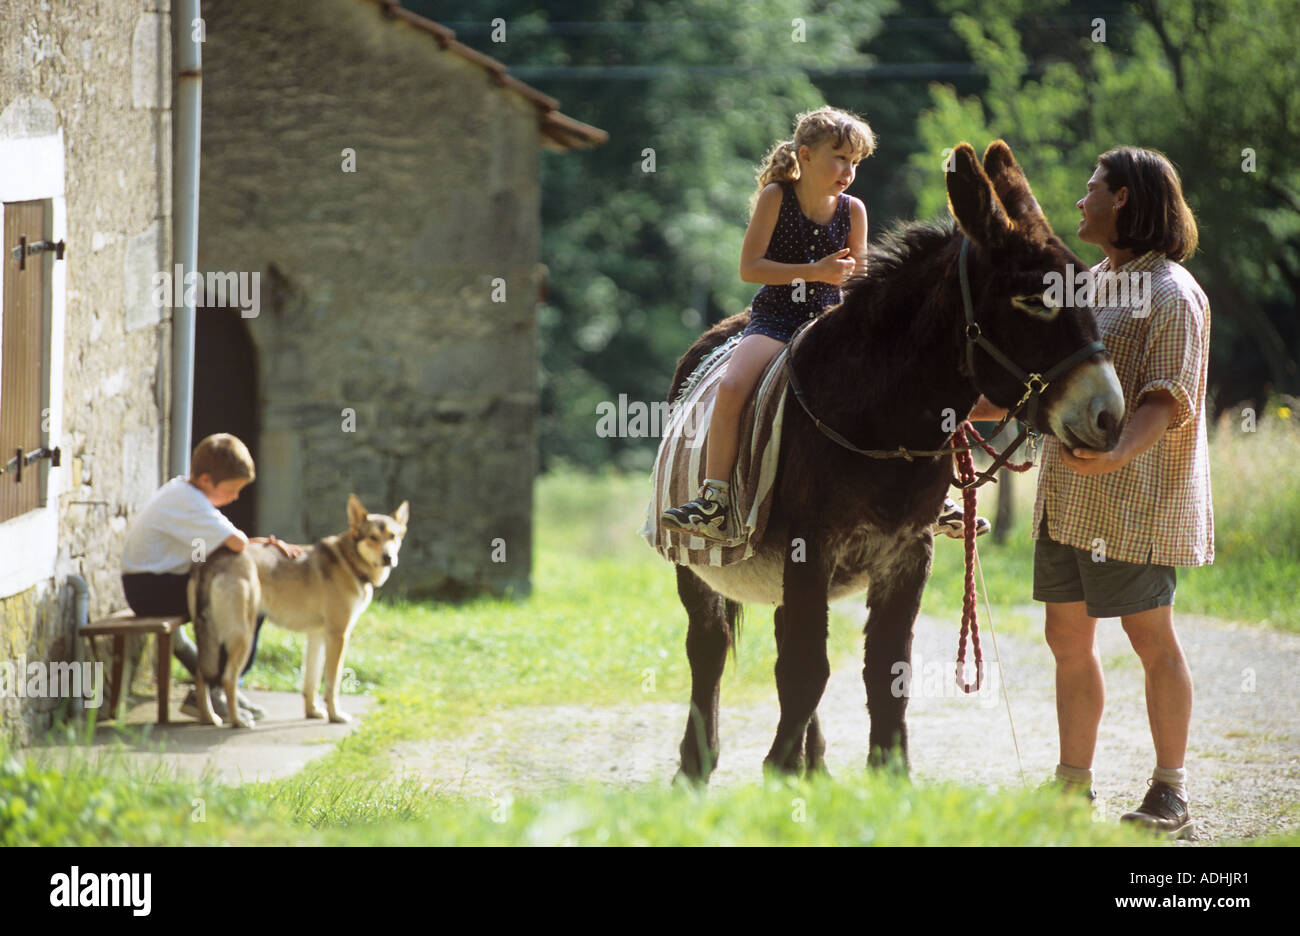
(385, 366)
(100, 76)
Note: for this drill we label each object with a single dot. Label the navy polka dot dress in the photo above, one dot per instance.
(797, 239)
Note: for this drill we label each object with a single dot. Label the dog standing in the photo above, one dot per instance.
(320, 593)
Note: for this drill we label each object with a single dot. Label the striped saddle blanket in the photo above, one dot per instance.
(679, 466)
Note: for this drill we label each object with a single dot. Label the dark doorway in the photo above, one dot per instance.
(226, 394)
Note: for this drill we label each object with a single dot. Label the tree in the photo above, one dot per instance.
(1200, 80)
(642, 236)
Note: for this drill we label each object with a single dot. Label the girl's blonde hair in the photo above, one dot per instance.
(810, 128)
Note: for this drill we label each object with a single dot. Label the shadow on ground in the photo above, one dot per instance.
(281, 744)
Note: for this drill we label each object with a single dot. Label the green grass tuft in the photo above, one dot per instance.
(602, 616)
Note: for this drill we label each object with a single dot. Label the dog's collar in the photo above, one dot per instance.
(361, 577)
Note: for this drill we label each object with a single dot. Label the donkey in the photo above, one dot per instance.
(884, 368)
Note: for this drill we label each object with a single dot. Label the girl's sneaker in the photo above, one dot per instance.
(708, 515)
(952, 519)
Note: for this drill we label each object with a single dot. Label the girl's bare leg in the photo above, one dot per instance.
(747, 363)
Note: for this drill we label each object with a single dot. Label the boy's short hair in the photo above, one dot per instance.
(222, 457)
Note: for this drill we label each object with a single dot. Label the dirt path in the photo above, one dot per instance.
(1243, 764)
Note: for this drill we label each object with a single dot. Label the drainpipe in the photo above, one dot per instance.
(185, 222)
(81, 592)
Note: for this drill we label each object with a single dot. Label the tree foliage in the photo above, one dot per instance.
(641, 261)
(1208, 82)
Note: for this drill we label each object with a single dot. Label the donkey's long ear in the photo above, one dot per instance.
(1012, 188)
(972, 200)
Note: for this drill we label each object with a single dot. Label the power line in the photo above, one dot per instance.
(914, 72)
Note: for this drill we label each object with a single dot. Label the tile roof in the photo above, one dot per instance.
(559, 132)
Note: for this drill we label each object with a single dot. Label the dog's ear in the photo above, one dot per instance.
(402, 513)
(356, 513)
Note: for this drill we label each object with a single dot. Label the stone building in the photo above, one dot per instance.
(378, 362)
(85, 159)
(383, 180)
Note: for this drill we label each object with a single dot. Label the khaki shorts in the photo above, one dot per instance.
(1109, 589)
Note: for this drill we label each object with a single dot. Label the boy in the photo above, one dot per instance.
(182, 521)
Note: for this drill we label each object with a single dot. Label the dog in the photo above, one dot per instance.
(320, 593)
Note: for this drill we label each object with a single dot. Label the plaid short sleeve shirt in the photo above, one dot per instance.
(1157, 508)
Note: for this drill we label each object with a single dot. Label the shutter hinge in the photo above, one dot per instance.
(25, 250)
(21, 459)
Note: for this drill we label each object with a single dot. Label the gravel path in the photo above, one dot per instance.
(1243, 764)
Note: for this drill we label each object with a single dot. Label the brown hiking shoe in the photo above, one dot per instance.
(1163, 809)
(1070, 788)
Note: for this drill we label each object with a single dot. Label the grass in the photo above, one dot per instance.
(93, 805)
(602, 626)
(1256, 497)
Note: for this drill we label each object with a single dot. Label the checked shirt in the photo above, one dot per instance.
(1156, 509)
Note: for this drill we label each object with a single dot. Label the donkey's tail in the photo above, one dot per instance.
(734, 612)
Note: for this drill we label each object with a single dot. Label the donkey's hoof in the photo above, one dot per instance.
(696, 765)
(688, 781)
(783, 769)
(817, 771)
(888, 760)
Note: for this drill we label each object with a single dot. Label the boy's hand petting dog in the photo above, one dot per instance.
(289, 549)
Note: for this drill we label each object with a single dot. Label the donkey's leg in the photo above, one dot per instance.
(814, 749)
(893, 602)
(707, 638)
(801, 665)
(814, 745)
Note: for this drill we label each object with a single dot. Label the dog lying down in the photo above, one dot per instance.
(321, 593)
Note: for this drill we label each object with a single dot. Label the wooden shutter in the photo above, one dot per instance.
(22, 358)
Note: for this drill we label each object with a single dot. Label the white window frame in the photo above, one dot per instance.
(31, 169)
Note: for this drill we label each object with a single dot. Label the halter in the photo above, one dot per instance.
(1035, 384)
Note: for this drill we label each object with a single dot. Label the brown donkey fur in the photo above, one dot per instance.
(882, 368)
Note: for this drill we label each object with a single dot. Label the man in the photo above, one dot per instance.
(1111, 526)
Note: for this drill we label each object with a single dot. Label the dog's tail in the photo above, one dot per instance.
(212, 652)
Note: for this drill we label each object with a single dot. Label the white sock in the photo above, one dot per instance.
(1077, 776)
(1176, 777)
(721, 488)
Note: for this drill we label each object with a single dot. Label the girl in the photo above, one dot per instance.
(806, 237)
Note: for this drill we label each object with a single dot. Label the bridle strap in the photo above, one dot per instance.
(900, 452)
(1035, 386)
(974, 337)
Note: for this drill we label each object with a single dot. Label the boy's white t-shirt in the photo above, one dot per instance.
(161, 539)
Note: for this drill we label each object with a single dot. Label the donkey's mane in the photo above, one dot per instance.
(899, 262)
(905, 242)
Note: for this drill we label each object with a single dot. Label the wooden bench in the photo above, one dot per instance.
(124, 624)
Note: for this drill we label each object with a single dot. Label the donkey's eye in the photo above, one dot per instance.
(1033, 304)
